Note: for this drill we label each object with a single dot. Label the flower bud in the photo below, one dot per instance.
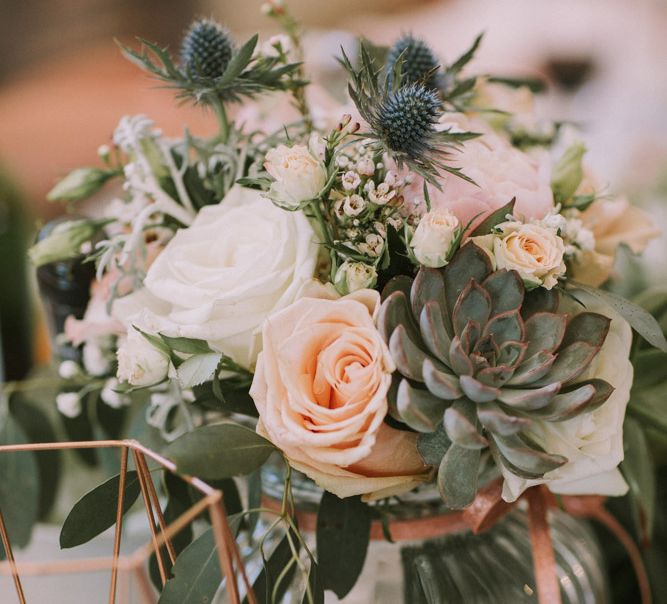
(352, 276)
(79, 184)
(567, 174)
(64, 241)
(69, 404)
(298, 175)
(434, 236)
(112, 397)
(68, 370)
(139, 362)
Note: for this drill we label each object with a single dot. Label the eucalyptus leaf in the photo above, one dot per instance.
(19, 486)
(314, 593)
(95, 512)
(196, 573)
(343, 534)
(197, 369)
(639, 319)
(219, 451)
(494, 219)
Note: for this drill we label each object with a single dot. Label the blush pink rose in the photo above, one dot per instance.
(321, 391)
(500, 172)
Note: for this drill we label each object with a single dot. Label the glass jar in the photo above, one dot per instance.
(494, 567)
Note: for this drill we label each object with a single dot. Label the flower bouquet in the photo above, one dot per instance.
(394, 295)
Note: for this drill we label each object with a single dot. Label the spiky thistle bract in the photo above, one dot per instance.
(418, 62)
(243, 73)
(403, 120)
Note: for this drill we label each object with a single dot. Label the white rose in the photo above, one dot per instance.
(534, 251)
(139, 362)
(352, 276)
(69, 404)
(217, 280)
(299, 175)
(434, 236)
(592, 442)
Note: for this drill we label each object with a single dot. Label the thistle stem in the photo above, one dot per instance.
(223, 120)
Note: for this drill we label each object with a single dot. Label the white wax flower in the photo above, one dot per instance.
(69, 404)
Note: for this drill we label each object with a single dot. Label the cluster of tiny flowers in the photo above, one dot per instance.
(367, 198)
(576, 237)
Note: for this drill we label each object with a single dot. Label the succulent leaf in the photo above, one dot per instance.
(457, 476)
(588, 327)
(470, 262)
(418, 408)
(460, 422)
(440, 383)
(506, 290)
(525, 458)
(570, 363)
(497, 421)
(433, 331)
(585, 396)
(477, 391)
(432, 446)
(544, 332)
(406, 354)
(526, 399)
(474, 304)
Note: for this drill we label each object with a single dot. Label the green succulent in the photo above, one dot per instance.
(478, 360)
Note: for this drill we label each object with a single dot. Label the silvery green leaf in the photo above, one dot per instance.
(457, 476)
(197, 369)
(419, 409)
(79, 184)
(433, 446)
(639, 319)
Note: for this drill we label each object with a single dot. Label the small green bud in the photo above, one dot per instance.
(352, 276)
(65, 241)
(567, 173)
(79, 184)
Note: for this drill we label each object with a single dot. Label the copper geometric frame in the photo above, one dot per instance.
(161, 533)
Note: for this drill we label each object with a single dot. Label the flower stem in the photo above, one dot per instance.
(223, 120)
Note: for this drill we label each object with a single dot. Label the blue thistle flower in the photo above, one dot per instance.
(418, 62)
(206, 49)
(406, 119)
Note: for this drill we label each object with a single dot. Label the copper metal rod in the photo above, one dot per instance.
(10, 558)
(119, 524)
(149, 514)
(158, 509)
(223, 534)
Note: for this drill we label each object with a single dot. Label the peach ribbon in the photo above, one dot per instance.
(488, 507)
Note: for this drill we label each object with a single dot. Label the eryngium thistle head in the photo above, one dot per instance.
(406, 119)
(206, 49)
(418, 63)
(481, 360)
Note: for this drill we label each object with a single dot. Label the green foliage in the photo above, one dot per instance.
(343, 533)
(95, 512)
(219, 451)
(80, 183)
(494, 219)
(19, 486)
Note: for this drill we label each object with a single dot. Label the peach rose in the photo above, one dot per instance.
(321, 391)
(612, 222)
(500, 172)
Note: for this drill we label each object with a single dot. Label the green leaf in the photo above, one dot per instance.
(494, 219)
(95, 512)
(219, 451)
(639, 319)
(457, 476)
(19, 487)
(196, 573)
(638, 470)
(197, 369)
(465, 58)
(80, 184)
(343, 534)
(187, 345)
(239, 61)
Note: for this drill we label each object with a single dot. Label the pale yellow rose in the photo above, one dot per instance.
(321, 391)
(434, 236)
(533, 251)
(612, 222)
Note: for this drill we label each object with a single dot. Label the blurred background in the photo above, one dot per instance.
(64, 85)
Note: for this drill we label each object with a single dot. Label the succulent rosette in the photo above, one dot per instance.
(481, 361)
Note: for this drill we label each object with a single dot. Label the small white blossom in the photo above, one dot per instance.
(382, 195)
(94, 359)
(391, 178)
(342, 161)
(372, 246)
(69, 404)
(276, 46)
(68, 370)
(354, 205)
(351, 180)
(380, 228)
(339, 208)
